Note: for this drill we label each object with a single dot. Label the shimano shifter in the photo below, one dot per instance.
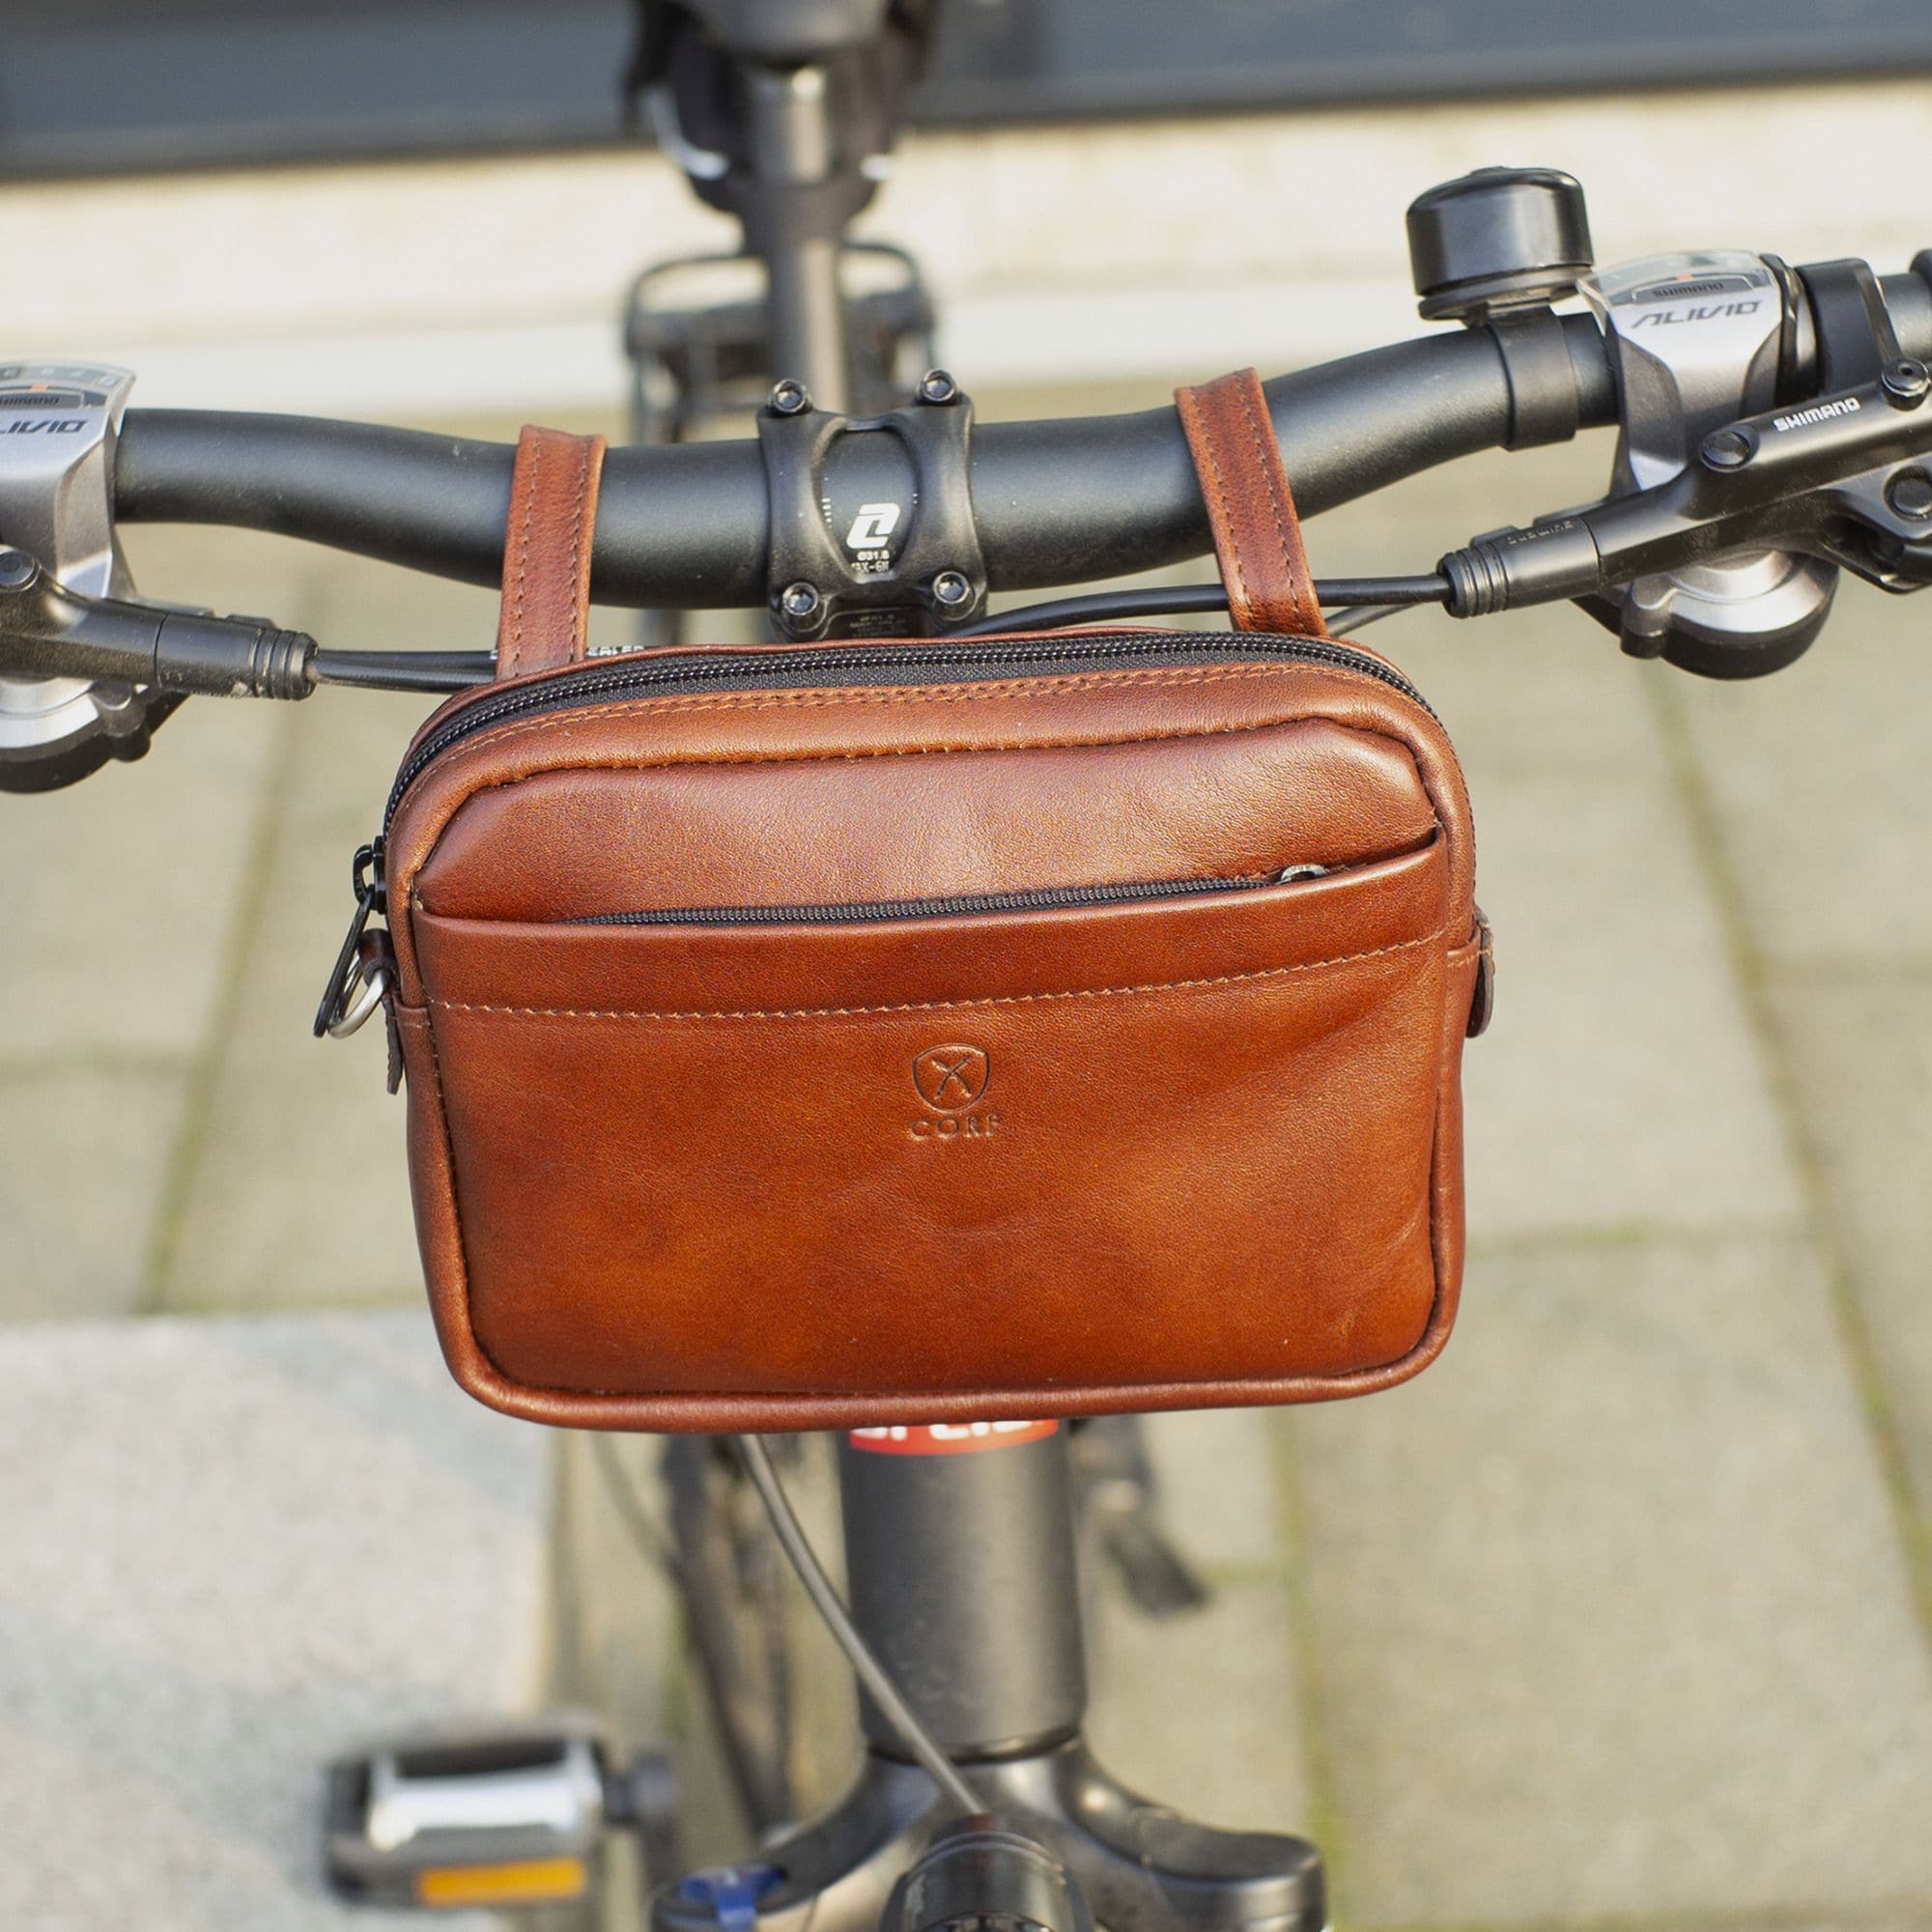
(58, 424)
(1697, 341)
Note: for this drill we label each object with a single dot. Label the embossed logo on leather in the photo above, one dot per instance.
(951, 1078)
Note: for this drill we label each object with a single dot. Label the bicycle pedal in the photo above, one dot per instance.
(504, 1816)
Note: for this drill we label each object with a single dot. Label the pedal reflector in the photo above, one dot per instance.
(533, 1882)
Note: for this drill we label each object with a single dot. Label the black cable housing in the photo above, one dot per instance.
(1173, 600)
(919, 1742)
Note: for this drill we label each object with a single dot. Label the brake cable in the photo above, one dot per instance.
(891, 1705)
(1355, 600)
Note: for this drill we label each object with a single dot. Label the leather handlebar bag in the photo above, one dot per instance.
(828, 1035)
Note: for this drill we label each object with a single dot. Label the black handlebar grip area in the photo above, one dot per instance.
(686, 525)
(1908, 298)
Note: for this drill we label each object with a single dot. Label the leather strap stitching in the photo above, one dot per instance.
(1240, 600)
(580, 615)
(1232, 441)
(529, 496)
(545, 619)
(1287, 525)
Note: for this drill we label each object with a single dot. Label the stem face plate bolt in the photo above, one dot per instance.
(798, 600)
(1728, 448)
(937, 386)
(789, 398)
(951, 590)
(17, 569)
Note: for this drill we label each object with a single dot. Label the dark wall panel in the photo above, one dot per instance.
(107, 84)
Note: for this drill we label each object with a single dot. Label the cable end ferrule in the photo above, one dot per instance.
(1546, 563)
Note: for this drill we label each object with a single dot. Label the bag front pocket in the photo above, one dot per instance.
(1040, 1146)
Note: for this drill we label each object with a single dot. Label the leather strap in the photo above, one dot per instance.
(546, 551)
(1250, 507)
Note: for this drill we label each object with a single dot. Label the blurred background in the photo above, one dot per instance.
(1620, 1616)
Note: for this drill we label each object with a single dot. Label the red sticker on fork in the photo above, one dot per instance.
(946, 1439)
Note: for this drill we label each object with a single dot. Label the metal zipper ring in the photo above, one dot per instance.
(353, 1017)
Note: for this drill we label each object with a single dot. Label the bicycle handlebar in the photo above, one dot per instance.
(1831, 478)
(1055, 501)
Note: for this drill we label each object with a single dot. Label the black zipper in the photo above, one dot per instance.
(959, 905)
(852, 664)
(866, 665)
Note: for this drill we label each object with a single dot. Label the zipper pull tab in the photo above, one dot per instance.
(1483, 995)
(362, 974)
(395, 1039)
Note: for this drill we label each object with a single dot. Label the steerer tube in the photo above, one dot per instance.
(793, 158)
(961, 1574)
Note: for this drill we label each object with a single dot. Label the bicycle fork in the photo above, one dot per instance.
(960, 1557)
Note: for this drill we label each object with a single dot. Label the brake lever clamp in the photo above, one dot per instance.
(871, 525)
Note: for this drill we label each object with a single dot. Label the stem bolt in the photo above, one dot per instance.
(798, 600)
(17, 569)
(937, 386)
(1728, 448)
(950, 590)
(789, 398)
(1906, 382)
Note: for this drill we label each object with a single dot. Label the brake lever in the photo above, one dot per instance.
(1838, 478)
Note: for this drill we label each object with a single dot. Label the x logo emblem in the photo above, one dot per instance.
(950, 1078)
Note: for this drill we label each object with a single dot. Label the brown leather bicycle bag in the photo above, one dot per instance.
(1037, 1025)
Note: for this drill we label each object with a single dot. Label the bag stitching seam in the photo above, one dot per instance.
(934, 1005)
(959, 693)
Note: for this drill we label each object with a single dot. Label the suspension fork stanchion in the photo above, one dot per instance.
(960, 1553)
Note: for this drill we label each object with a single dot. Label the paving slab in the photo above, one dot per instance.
(83, 1163)
(236, 1549)
(619, 1646)
(122, 892)
(1202, 1711)
(1818, 775)
(1861, 1046)
(298, 1192)
(1620, 1087)
(1198, 1712)
(1610, 1612)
